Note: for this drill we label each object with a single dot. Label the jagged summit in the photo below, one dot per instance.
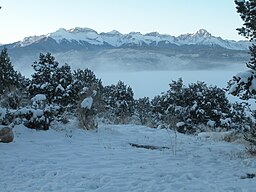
(154, 34)
(114, 32)
(203, 33)
(81, 30)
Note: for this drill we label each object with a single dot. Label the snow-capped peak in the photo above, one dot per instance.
(203, 33)
(153, 34)
(61, 30)
(77, 34)
(114, 32)
(200, 34)
(81, 30)
(31, 40)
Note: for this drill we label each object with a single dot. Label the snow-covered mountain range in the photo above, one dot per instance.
(113, 51)
(86, 37)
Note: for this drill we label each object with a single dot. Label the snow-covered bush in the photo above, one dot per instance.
(35, 118)
(39, 101)
(183, 127)
(243, 85)
(207, 103)
(38, 115)
(11, 99)
(197, 104)
(6, 117)
(242, 118)
(86, 112)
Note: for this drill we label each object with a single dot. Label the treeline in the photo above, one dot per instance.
(57, 93)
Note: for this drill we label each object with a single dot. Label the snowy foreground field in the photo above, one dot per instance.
(67, 159)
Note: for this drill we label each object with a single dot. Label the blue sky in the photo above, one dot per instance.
(21, 18)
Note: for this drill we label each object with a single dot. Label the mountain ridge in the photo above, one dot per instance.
(115, 39)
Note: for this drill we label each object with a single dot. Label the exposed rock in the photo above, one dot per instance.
(151, 147)
(6, 135)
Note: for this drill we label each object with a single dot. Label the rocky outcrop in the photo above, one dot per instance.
(6, 135)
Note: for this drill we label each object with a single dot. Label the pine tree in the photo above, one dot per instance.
(86, 83)
(193, 105)
(252, 63)
(87, 88)
(207, 103)
(85, 78)
(124, 101)
(170, 107)
(143, 111)
(247, 11)
(118, 100)
(8, 76)
(43, 81)
(243, 84)
(63, 81)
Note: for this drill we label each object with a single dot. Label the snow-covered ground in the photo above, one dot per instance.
(68, 159)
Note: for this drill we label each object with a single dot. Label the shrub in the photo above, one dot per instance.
(197, 104)
(86, 111)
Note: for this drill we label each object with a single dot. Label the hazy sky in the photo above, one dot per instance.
(21, 18)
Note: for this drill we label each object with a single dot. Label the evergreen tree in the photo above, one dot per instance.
(43, 81)
(124, 101)
(170, 107)
(243, 84)
(143, 111)
(119, 101)
(241, 118)
(207, 104)
(86, 83)
(192, 106)
(252, 63)
(247, 11)
(85, 78)
(8, 76)
(63, 81)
